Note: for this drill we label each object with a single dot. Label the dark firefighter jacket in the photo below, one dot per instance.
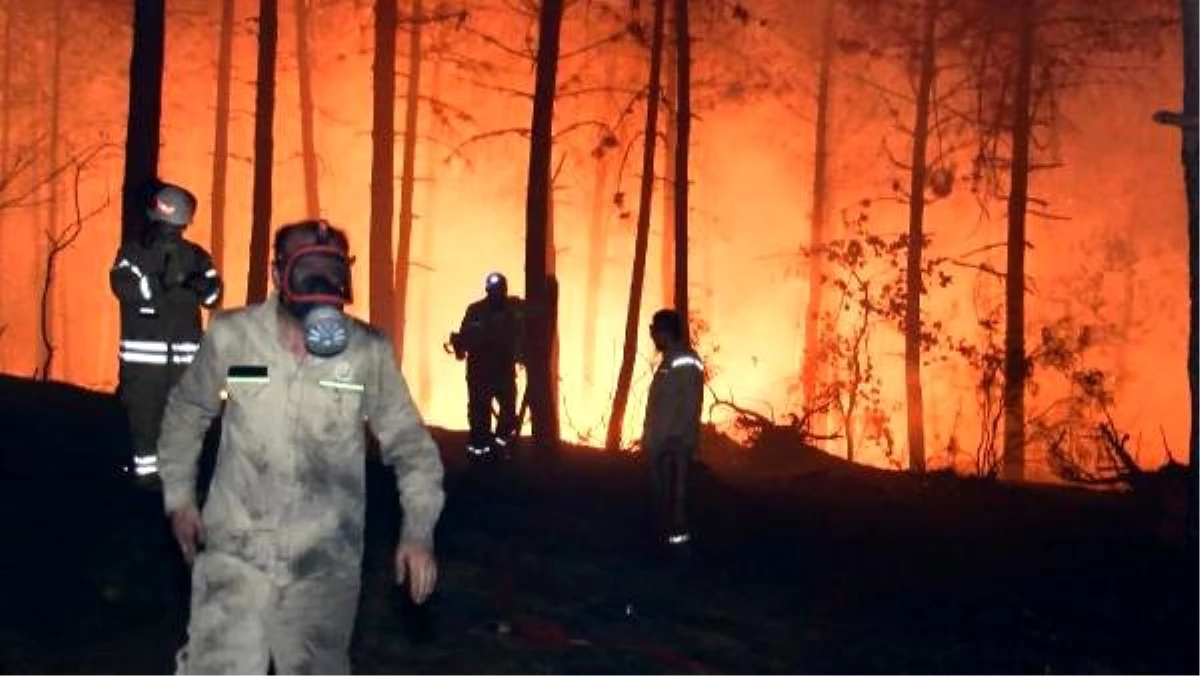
(161, 287)
(493, 336)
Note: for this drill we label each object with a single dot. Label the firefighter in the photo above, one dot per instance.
(671, 433)
(276, 552)
(161, 281)
(491, 340)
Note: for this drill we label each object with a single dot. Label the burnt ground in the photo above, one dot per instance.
(812, 566)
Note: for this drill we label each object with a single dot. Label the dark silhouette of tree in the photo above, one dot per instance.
(264, 150)
(145, 113)
(540, 286)
(683, 140)
(383, 151)
(308, 143)
(646, 194)
(220, 168)
(408, 167)
(1187, 123)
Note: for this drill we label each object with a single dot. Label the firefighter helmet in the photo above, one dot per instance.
(172, 205)
(495, 282)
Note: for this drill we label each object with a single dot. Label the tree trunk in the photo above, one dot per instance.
(1191, 174)
(412, 118)
(308, 143)
(811, 369)
(539, 285)
(916, 243)
(264, 150)
(220, 166)
(680, 176)
(429, 353)
(145, 113)
(670, 69)
(1014, 283)
(54, 305)
(637, 280)
(383, 150)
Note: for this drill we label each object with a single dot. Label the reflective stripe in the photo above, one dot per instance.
(354, 387)
(182, 358)
(147, 311)
(679, 538)
(144, 345)
(211, 298)
(185, 347)
(145, 464)
(143, 281)
(478, 450)
(262, 380)
(210, 273)
(143, 358)
(687, 360)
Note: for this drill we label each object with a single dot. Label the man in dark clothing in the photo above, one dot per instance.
(491, 341)
(671, 433)
(161, 281)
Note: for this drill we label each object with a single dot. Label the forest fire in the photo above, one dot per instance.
(1106, 261)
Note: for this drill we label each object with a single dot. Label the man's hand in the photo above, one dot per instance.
(188, 530)
(416, 563)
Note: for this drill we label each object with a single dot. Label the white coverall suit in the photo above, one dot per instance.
(278, 578)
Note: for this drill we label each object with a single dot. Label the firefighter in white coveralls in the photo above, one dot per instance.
(276, 554)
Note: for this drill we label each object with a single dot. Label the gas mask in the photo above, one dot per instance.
(314, 287)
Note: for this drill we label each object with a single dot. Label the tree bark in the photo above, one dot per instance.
(539, 285)
(1015, 368)
(670, 76)
(308, 143)
(683, 140)
(264, 150)
(55, 308)
(220, 166)
(1191, 175)
(429, 353)
(811, 369)
(916, 242)
(145, 113)
(645, 200)
(383, 150)
(412, 118)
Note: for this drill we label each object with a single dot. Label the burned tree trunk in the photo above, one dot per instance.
(145, 113)
(425, 363)
(539, 285)
(220, 167)
(810, 370)
(918, 173)
(670, 138)
(408, 164)
(53, 305)
(308, 143)
(264, 150)
(637, 279)
(383, 150)
(1014, 282)
(1191, 164)
(683, 140)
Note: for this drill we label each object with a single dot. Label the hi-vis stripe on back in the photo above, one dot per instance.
(333, 384)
